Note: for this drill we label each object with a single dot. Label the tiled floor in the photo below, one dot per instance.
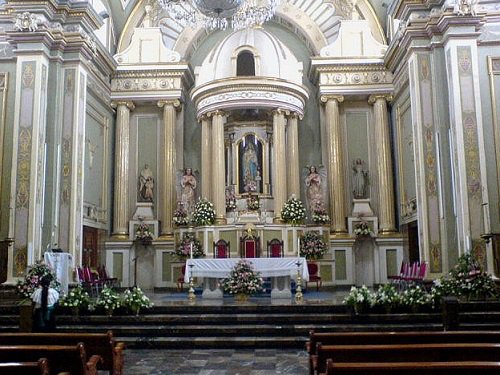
(216, 362)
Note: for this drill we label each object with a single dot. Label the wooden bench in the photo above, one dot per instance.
(102, 344)
(25, 368)
(414, 368)
(69, 359)
(483, 352)
(375, 338)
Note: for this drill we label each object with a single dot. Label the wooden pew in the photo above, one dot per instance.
(102, 344)
(25, 368)
(482, 352)
(414, 368)
(70, 359)
(389, 337)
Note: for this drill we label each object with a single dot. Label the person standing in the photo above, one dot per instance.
(44, 300)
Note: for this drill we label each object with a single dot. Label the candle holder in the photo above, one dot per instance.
(299, 297)
(191, 295)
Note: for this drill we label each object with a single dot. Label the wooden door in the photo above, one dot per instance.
(90, 240)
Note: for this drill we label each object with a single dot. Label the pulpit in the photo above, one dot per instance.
(250, 247)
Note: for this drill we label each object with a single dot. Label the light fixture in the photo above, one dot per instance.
(218, 14)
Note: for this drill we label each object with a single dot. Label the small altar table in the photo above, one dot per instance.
(280, 270)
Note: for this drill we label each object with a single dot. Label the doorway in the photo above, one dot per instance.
(90, 254)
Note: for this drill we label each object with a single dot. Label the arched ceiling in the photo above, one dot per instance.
(121, 10)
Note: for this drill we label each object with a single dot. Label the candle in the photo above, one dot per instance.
(191, 251)
(298, 247)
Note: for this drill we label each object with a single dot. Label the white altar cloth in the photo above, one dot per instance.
(61, 263)
(268, 267)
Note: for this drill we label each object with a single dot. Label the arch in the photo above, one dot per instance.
(246, 50)
(245, 64)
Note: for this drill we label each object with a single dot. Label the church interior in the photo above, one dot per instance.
(330, 144)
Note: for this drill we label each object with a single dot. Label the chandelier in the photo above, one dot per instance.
(218, 14)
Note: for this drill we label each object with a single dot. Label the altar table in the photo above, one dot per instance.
(280, 270)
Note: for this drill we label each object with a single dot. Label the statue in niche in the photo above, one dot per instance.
(146, 184)
(360, 179)
(188, 190)
(315, 188)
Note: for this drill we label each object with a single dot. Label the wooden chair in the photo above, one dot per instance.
(112, 282)
(180, 279)
(222, 249)
(314, 277)
(275, 248)
(250, 247)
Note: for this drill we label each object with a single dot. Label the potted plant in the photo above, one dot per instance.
(108, 300)
(320, 216)
(76, 299)
(134, 300)
(243, 281)
(204, 213)
(189, 245)
(143, 234)
(359, 299)
(180, 217)
(312, 246)
(386, 298)
(362, 229)
(293, 211)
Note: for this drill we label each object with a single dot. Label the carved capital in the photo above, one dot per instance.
(295, 115)
(127, 103)
(373, 98)
(325, 98)
(281, 111)
(217, 112)
(176, 103)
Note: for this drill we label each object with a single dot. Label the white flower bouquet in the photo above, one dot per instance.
(183, 250)
(76, 298)
(143, 234)
(243, 279)
(134, 299)
(312, 246)
(204, 213)
(231, 204)
(109, 300)
(293, 211)
(180, 217)
(253, 202)
(361, 229)
(320, 217)
(360, 299)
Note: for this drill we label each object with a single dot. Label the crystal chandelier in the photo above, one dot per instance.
(218, 14)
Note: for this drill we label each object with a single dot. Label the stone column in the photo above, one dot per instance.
(293, 178)
(279, 169)
(383, 150)
(122, 141)
(167, 204)
(335, 164)
(218, 167)
(206, 158)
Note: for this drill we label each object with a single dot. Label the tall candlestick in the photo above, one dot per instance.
(191, 251)
(298, 247)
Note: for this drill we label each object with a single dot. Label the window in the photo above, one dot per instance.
(245, 65)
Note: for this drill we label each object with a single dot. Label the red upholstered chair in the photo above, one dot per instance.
(222, 249)
(275, 248)
(313, 275)
(180, 279)
(250, 247)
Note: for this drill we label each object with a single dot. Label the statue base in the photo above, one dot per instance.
(361, 207)
(144, 211)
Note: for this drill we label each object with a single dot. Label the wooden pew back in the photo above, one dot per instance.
(102, 344)
(41, 367)
(72, 359)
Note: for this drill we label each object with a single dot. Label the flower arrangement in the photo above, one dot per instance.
(183, 250)
(415, 297)
(293, 211)
(134, 299)
(76, 298)
(243, 279)
(253, 202)
(231, 204)
(361, 229)
(204, 213)
(386, 297)
(320, 216)
(312, 246)
(108, 300)
(31, 280)
(180, 217)
(143, 233)
(359, 298)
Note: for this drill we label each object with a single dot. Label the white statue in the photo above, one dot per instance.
(146, 184)
(465, 7)
(359, 180)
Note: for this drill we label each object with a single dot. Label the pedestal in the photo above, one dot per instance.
(280, 287)
(211, 288)
(144, 211)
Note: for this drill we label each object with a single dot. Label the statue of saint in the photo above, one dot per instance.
(188, 185)
(314, 192)
(146, 184)
(359, 179)
(250, 167)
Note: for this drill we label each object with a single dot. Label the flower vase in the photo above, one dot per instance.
(241, 297)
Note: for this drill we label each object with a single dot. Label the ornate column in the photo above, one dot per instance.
(383, 150)
(167, 203)
(335, 164)
(218, 166)
(206, 158)
(279, 170)
(120, 218)
(293, 178)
